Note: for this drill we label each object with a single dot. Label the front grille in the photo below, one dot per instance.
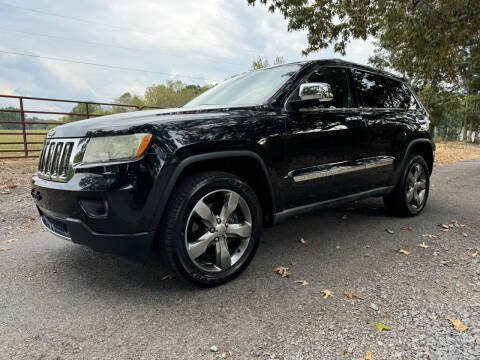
(55, 158)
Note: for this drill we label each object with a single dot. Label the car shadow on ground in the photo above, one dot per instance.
(347, 226)
(322, 230)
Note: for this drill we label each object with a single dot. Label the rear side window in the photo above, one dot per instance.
(376, 91)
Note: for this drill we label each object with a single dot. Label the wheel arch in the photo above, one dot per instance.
(257, 176)
(424, 147)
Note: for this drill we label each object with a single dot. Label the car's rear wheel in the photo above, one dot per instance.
(411, 193)
(211, 228)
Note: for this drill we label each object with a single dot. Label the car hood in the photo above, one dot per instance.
(127, 123)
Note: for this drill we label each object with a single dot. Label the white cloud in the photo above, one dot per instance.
(209, 39)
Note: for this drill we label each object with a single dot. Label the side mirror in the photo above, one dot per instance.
(313, 95)
(316, 91)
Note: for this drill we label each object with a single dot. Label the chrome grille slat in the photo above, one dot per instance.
(48, 164)
(56, 159)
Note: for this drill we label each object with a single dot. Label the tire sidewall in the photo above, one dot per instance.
(184, 264)
(415, 159)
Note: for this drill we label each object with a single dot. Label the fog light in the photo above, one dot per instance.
(95, 208)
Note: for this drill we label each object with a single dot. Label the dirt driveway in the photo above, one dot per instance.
(63, 301)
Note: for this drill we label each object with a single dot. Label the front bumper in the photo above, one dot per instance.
(136, 245)
(110, 208)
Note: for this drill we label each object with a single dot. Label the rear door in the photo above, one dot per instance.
(386, 107)
(325, 146)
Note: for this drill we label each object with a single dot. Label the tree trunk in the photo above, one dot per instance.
(471, 136)
(463, 134)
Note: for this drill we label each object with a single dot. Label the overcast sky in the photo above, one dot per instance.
(190, 40)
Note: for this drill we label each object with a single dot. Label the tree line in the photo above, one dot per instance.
(169, 95)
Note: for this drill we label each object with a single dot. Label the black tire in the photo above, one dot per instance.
(173, 239)
(400, 201)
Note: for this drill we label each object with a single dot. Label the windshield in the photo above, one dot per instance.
(252, 88)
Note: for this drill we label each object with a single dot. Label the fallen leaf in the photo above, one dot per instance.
(282, 270)
(405, 252)
(167, 277)
(389, 231)
(337, 247)
(409, 228)
(429, 236)
(368, 356)
(327, 293)
(345, 217)
(301, 282)
(454, 221)
(475, 254)
(444, 226)
(352, 295)
(224, 354)
(381, 326)
(302, 241)
(423, 245)
(4, 249)
(458, 324)
(444, 230)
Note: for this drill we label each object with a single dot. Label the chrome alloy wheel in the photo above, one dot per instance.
(218, 230)
(416, 186)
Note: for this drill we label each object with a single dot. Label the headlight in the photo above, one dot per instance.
(114, 148)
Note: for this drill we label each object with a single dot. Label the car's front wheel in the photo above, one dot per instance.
(211, 228)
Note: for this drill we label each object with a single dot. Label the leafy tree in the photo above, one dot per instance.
(422, 39)
(261, 63)
(128, 99)
(173, 94)
(81, 108)
(10, 116)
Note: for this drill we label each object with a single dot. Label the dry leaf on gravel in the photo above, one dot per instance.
(327, 293)
(352, 295)
(409, 228)
(368, 356)
(345, 217)
(4, 249)
(302, 241)
(282, 270)
(338, 247)
(389, 231)
(458, 324)
(381, 326)
(444, 226)
(423, 245)
(475, 254)
(9, 241)
(224, 354)
(405, 252)
(301, 282)
(429, 236)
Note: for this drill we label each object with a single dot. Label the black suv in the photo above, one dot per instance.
(195, 185)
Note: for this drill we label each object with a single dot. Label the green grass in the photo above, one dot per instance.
(16, 136)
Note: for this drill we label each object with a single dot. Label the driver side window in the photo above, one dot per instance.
(337, 80)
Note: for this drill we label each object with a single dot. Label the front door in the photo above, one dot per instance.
(325, 144)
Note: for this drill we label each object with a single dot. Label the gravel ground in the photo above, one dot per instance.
(63, 301)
